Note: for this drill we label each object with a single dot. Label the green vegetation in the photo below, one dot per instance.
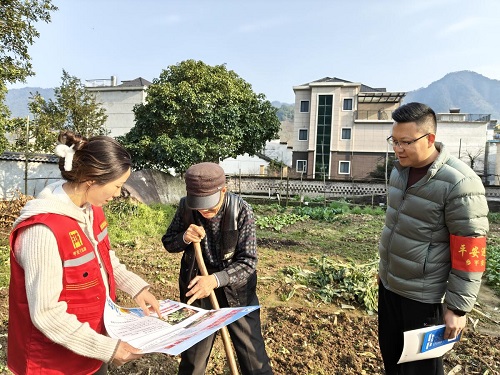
(130, 221)
(4, 262)
(304, 254)
(331, 212)
(73, 108)
(492, 274)
(196, 112)
(19, 20)
(278, 221)
(332, 281)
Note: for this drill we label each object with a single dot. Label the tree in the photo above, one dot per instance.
(474, 157)
(17, 33)
(196, 112)
(383, 169)
(73, 108)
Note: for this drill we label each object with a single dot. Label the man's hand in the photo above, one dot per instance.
(125, 353)
(148, 302)
(454, 324)
(194, 233)
(201, 287)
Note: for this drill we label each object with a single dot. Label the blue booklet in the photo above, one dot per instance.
(435, 338)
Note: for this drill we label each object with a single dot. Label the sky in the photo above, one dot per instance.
(400, 45)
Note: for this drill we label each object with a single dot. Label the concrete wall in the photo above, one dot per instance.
(150, 186)
(12, 177)
(119, 103)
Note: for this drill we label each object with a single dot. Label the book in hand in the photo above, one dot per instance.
(424, 343)
(179, 327)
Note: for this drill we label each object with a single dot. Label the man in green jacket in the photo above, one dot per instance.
(433, 244)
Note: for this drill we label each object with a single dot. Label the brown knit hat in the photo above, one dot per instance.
(204, 182)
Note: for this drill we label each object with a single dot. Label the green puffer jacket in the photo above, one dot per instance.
(414, 246)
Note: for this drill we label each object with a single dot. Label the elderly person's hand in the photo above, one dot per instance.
(194, 233)
(201, 287)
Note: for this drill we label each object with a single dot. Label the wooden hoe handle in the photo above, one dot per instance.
(215, 304)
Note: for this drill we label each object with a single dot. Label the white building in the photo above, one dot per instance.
(119, 101)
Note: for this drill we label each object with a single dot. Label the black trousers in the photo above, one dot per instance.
(397, 314)
(247, 339)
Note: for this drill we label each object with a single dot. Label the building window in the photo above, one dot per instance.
(304, 106)
(301, 166)
(346, 133)
(323, 135)
(347, 106)
(344, 167)
(302, 134)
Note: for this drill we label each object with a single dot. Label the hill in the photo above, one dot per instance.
(17, 99)
(469, 91)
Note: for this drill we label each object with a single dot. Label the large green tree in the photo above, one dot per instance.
(73, 108)
(196, 112)
(17, 34)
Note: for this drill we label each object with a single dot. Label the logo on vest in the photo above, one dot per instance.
(103, 225)
(76, 240)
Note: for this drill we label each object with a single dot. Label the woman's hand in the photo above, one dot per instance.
(148, 302)
(125, 353)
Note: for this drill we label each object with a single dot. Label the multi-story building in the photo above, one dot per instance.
(119, 101)
(340, 130)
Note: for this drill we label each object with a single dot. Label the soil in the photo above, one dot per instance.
(304, 337)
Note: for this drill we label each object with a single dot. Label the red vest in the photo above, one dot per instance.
(29, 351)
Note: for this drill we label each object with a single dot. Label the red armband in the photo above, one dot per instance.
(468, 253)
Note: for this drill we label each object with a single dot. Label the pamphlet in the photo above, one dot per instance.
(179, 327)
(435, 338)
(424, 343)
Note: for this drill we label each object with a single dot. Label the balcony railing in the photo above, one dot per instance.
(463, 117)
(386, 115)
(380, 115)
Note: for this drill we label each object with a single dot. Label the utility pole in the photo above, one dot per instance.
(26, 162)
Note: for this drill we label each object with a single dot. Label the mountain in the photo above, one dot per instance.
(471, 92)
(17, 99)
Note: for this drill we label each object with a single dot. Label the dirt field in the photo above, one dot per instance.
(303, 336)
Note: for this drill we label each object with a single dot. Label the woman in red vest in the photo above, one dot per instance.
(62, 267)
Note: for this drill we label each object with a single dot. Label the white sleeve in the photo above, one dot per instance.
(37, 253)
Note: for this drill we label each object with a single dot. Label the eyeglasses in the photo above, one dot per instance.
(403, 144)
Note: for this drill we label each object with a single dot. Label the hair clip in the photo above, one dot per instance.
(67, 153)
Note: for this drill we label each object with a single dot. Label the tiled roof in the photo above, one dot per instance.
(334, 79)
(364, 88)
(138, 82)
(38, 158)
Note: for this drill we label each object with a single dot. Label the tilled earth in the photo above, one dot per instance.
(304, 337)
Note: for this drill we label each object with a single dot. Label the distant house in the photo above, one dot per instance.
(340, 130)
(119, 101)
(259, 164)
